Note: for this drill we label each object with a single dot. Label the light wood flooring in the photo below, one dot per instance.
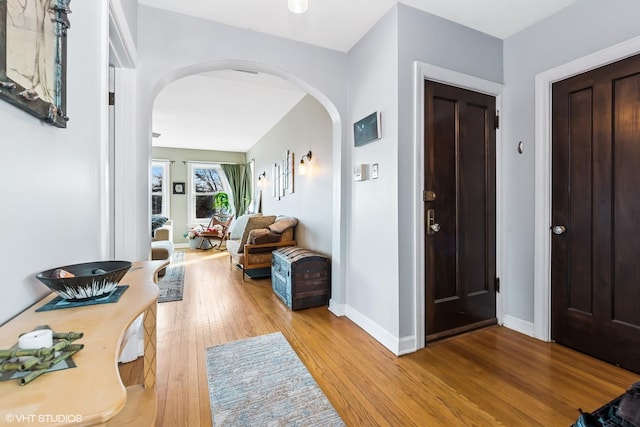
(491, 377)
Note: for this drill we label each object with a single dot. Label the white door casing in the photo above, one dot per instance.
(422, 72)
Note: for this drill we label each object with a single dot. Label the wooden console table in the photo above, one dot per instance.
(92, 393)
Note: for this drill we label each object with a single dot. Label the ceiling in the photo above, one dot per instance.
(239, 108)
(226, 110)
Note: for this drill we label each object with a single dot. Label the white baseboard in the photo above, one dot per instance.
(518, 325)
(381, 335)
(336, 308)
(407, 345)
(181, 245)
(396, 346)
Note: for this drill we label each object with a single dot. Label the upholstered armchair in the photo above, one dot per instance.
(162, 242)
(252, 238)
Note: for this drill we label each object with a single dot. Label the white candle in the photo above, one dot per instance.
(42, 338)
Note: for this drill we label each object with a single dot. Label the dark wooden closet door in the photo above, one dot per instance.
(596, 213)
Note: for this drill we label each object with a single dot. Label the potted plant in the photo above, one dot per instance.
(221, 204)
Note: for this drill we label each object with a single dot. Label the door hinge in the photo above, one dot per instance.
(497, 284)
(498, 120)
(112, 98)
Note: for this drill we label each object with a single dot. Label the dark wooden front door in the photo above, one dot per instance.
(459, 209)
(595, 266)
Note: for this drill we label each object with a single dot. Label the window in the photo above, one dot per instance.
(205, 181)
(160, 188)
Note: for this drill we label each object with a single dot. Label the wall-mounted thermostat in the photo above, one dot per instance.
(359, 172)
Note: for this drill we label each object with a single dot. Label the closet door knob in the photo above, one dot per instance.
(558, 229)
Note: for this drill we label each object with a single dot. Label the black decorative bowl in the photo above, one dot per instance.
(91, 279)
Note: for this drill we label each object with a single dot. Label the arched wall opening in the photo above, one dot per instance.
(338, 253)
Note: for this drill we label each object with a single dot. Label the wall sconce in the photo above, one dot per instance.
(261, 178)
(302, 168)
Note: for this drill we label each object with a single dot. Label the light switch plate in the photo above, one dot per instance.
(374, 171)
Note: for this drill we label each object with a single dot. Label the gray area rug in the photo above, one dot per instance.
(260, 381)
(172, 282)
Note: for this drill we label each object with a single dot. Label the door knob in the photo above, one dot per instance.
(558, 229)
(435, 227)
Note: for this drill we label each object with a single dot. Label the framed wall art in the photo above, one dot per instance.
(290, 166)
(283, 178)
(178, 188)
(275, 181)
(367, 129)
(33, 49)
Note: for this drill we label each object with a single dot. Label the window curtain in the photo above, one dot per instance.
(239, 177)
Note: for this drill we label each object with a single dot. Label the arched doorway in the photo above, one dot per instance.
(338, 252)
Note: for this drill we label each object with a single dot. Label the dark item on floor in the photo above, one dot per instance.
(629, 409)
(623, 411)
(300, 277)
(256, 273)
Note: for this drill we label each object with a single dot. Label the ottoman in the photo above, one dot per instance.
(161, 250)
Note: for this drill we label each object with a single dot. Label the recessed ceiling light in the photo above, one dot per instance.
(298, 6)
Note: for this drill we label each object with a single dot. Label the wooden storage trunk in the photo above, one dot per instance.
(300, 277)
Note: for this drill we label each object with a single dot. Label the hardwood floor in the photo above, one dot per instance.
(490, 377)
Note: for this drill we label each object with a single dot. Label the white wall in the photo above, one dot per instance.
(584, 27)
(306, 127)
(130, 8)
(179, 171)
(51, 192)
(372, 293)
